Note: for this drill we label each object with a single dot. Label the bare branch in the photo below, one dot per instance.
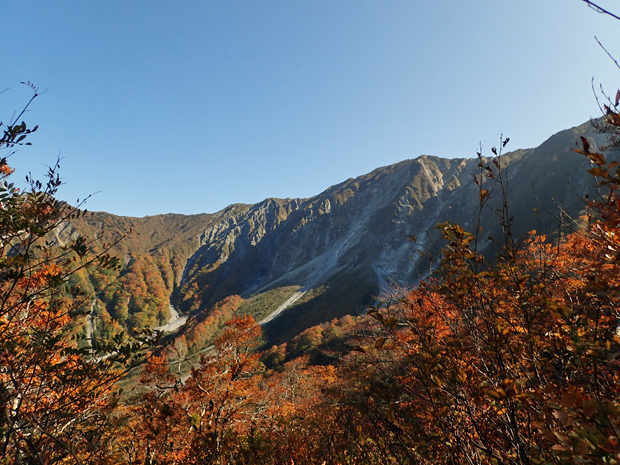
(599, 9)
(607, 52)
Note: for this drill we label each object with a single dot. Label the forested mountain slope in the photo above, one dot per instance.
(299, 262)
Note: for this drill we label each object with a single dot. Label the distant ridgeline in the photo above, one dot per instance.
(298, 263)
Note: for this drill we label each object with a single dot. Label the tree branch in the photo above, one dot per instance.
(599, 9)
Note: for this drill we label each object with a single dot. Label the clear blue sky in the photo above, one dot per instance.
(189, 106)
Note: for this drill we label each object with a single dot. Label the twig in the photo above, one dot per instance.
(607, 52)
(601, 10)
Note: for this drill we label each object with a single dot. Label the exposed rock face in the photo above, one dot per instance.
(351, 240)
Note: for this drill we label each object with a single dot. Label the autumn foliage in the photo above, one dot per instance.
(510, 360)
(57, 389)
(55, 401)
(514, 362)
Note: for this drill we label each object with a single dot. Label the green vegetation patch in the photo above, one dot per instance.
(261, 305)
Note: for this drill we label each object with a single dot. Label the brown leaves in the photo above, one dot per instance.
(585, 145)
(485, 355)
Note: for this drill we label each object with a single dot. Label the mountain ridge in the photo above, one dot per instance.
(336, 252)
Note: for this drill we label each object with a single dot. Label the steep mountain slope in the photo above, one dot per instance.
(300, 262)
